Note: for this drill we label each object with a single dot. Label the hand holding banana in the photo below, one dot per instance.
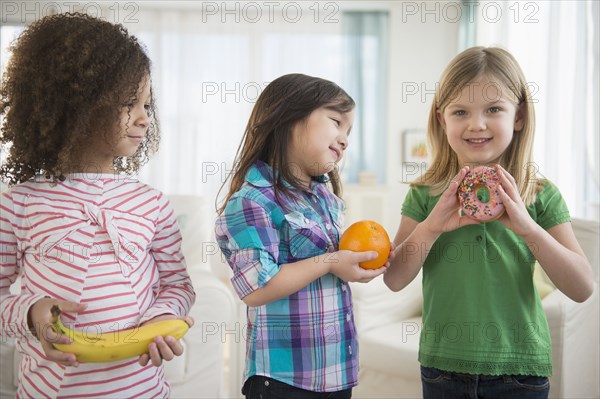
(39, 324)
(123, 344)
(163, 348)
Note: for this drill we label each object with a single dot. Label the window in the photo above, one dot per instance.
(208, 76)
(560, 59)
(210, 65)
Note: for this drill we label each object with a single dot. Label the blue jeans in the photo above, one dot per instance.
(439, 384)
(259, 387)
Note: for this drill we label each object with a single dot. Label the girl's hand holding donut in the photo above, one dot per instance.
(445, 216)
(516, 217)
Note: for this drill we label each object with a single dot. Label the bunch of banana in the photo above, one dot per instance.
(114, 345)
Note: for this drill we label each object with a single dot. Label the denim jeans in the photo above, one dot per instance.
(259, 387)
(439, 384)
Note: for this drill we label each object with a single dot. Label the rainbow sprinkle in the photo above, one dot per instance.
(480, 177)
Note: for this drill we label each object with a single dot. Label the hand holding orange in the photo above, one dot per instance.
(367, 235)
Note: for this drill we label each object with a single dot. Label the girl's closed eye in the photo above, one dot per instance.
(337, 121)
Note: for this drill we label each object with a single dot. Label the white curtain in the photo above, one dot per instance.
(211, 60)
(209, 72)
(366, 36)
(556, 43)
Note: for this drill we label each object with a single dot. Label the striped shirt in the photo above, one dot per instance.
(108, 241)
(308, 339)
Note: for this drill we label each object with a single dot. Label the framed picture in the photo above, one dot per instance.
(414, 147)
(414, 154)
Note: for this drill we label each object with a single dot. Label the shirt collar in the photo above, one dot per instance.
(261, 173)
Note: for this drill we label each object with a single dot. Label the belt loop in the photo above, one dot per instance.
(507, 379)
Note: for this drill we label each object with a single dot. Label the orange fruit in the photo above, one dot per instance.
(367, 235)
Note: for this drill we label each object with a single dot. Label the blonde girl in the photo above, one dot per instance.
(484, 331)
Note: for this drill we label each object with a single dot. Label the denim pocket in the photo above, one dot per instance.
(531, 382)
(247, 387)
(432, 375)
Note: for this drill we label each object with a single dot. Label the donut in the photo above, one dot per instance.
(478, 194)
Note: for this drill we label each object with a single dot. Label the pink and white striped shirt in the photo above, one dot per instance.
(105, 240)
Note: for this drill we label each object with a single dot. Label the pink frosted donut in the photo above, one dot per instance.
(478, 194)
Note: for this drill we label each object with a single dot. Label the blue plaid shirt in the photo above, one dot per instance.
(307, 339)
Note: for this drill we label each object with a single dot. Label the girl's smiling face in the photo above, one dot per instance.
(129, 134)
(480, 122)
(318, 143)
(134, 121)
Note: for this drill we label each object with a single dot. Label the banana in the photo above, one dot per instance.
(114, 345)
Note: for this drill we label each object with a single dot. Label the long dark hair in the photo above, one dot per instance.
(286, 101)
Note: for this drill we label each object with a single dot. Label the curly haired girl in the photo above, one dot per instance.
(65, 86)
(78, 119)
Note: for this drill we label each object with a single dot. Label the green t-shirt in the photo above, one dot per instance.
(481, 311)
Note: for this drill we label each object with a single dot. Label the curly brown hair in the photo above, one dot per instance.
(68, 80)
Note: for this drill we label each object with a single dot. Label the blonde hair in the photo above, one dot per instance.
(500, 67)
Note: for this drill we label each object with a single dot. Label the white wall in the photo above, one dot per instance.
(421, 45)
(422, 41)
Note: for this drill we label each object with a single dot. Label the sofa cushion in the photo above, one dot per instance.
(192, 214)
(392, 348)
(586, 232)
(542, 282)
(376, 305)
(196, 219)
(175, 371)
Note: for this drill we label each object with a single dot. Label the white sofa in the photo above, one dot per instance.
(389, 325)
(200, 371)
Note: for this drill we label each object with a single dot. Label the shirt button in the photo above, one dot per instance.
(328, 226)
(348, 317)
(344, 287)
(479, 238)
(266, 383)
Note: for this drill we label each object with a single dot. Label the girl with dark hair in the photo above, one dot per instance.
(279, 230)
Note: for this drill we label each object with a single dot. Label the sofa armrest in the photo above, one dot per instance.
(8, 368)
(574, 329)
(199, 373)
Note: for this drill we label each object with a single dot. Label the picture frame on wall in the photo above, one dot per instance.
(414, 146)
(415, 154)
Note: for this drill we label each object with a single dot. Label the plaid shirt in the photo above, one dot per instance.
(307, 339)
